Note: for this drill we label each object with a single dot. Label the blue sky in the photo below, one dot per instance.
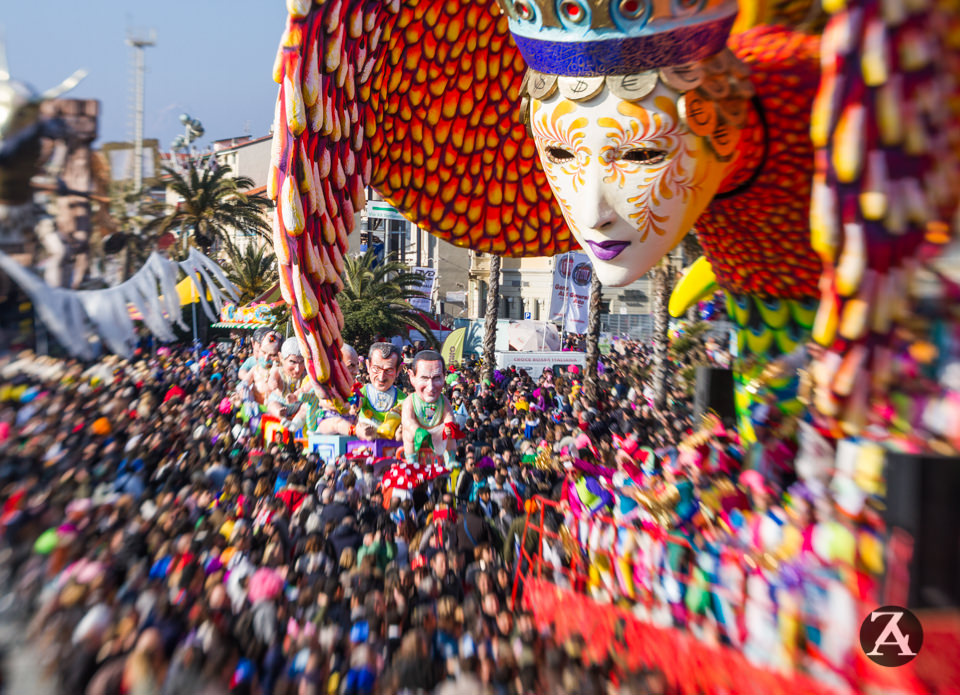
(213, 59)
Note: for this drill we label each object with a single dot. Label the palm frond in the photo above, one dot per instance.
(376, 300)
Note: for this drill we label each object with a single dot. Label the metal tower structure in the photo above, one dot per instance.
(139, 44)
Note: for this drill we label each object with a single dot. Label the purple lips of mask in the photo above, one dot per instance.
(608, 250)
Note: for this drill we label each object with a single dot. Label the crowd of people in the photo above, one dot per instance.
(157, 544)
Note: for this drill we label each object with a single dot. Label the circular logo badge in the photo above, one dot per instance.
(891, 636)
(581, 274)
(566, 266)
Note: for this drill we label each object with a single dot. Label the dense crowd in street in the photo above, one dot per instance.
(157, 545)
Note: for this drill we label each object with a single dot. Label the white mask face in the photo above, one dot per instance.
(630, 177)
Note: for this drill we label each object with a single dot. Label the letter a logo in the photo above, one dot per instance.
(891, 636)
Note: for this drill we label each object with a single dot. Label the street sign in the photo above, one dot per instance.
(382, 210)
(527, 315)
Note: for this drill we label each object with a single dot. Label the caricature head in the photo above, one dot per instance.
(291, 361)
(427, 370)
(383, 364)
(632, 175)
(351, 360)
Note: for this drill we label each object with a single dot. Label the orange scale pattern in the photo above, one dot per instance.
(419, 100)
(459, 162)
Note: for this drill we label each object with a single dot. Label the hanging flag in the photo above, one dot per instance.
(427, 277)
(570, 300)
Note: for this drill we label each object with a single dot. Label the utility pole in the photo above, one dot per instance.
(139, 44)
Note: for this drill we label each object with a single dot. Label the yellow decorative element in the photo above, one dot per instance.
(278, 64)
(854, 322)
(875, 60)
(823, 220)
(850, 141)
(873, 198)
(697, 283)
(821, 118)
(825, 325)
(311, 78)
(388, 428)
(785, 343)
(332, 51)
(296, 114)
(329, 269)
(291, 207)
(304, 294)
(320, 361)
(355, 26)
(853, 259)
(293, 37)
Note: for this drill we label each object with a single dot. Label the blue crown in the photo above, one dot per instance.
(583, 38)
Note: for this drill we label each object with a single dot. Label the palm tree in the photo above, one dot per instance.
(490, 325)
(590, 388)
(375, 301)
(253, 270)
(214, 205)
(662, 286)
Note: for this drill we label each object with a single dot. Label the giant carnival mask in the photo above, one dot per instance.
(631, 177)
(634, 149)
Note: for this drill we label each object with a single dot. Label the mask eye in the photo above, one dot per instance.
(644, 156)
(558, 155)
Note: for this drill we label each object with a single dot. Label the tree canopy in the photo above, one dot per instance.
(252, 270)
(214, 205)
(375, 301)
